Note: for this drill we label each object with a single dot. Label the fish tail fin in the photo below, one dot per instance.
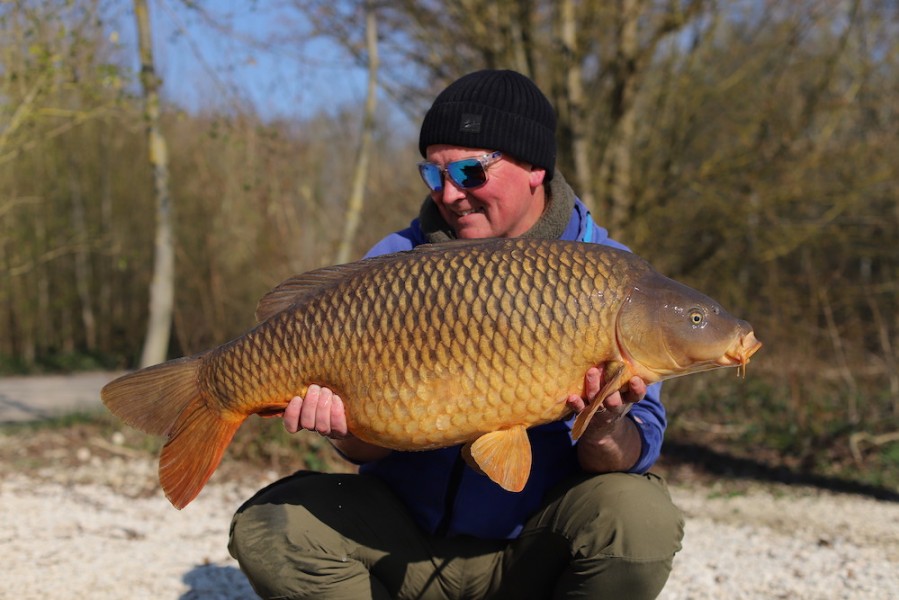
(151, 399)
(194, 450)
(166, 400)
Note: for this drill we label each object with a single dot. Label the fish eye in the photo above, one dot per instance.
(696, 317)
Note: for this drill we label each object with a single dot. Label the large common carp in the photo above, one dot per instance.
(465, 342)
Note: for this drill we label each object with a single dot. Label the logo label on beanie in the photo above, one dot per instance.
(470, 123)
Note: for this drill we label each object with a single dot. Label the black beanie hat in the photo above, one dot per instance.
(494, 110)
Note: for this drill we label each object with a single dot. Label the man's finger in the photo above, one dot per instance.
(593, 383)
(613, 400)
(292, 414)
(310, 402)
(323, 412)
(576, 403)
(338, 418)
(636, 390)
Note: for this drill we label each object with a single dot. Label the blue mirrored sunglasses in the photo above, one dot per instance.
(467, 174)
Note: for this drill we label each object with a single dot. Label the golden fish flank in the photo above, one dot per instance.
(468, 342)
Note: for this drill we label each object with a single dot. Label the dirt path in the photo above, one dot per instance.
(101, 530)
(31, 398)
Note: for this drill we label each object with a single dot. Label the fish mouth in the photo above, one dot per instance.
(738, 355)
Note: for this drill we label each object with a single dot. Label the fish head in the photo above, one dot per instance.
(666, 329)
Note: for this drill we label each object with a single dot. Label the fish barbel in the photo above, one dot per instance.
(467, 342)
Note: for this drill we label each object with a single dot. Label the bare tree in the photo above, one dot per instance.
(363, 157)
(574, 105)
(162, 289)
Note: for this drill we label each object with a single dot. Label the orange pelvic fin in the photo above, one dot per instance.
(166, 400)
(504, 456)
(616, 376)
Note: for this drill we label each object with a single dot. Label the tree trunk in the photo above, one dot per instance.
(619, 183)
(357, 195)
(574, 90)
(83, 271)
(162, 289)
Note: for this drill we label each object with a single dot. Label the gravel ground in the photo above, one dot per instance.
(96, 526)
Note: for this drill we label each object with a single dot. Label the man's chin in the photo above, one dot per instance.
(466, 230)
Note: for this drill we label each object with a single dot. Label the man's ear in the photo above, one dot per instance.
(536, 177)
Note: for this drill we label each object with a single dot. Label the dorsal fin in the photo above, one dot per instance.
(292, 290)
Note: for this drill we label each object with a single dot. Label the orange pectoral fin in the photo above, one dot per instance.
(504, 456)
(615, 378)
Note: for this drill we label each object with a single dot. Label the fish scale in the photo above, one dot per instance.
(464, 292)
(468, 342)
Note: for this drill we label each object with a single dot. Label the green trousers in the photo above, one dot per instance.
(341, 536)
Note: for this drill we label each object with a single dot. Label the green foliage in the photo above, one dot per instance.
(70, 362)
(761, 420)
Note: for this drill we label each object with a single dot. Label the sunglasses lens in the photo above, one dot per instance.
(432, 176)
(467, 174)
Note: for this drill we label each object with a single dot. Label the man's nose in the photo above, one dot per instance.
(451, 192)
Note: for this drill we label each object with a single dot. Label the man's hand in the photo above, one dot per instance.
(609, 443)
(320, 410)
(613, 407)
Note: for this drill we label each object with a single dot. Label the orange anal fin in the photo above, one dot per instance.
(195, 448)
(614, 380)
(504, 456)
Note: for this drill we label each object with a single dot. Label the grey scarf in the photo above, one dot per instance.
(550, 226)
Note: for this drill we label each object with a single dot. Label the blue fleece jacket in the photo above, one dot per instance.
(446, 497)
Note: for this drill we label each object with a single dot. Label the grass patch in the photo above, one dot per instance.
(60, 362)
